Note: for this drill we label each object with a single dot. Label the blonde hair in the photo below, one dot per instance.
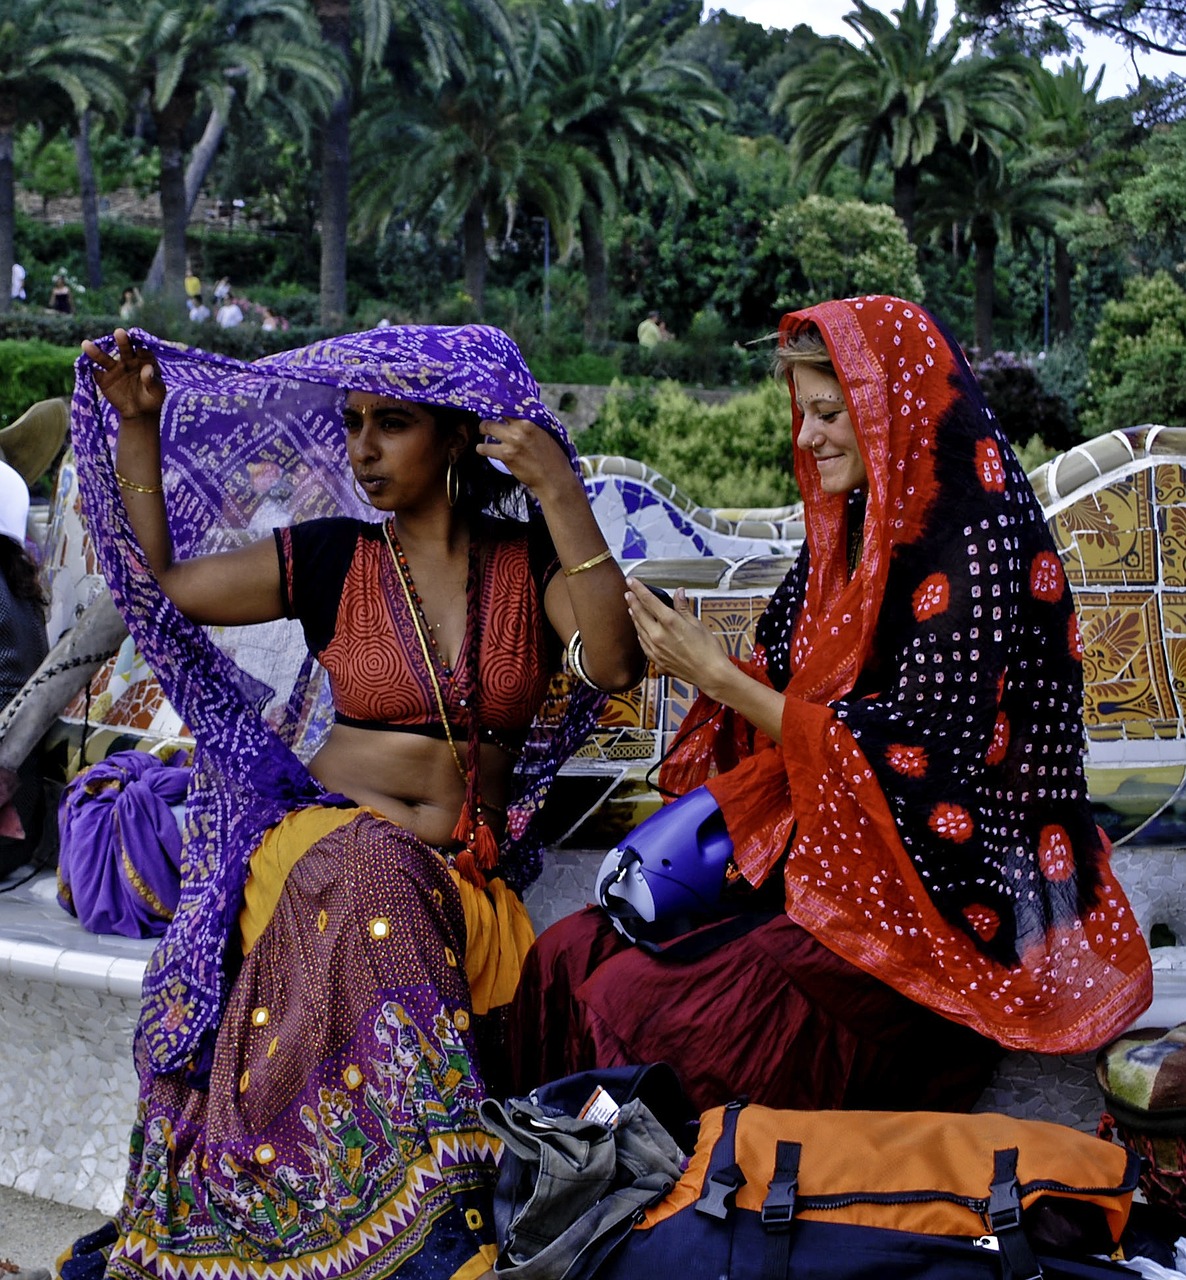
(806, 347)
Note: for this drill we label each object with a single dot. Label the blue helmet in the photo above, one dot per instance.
(668, 875)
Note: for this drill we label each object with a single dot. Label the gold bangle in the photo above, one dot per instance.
(589, 564)
(125, 483)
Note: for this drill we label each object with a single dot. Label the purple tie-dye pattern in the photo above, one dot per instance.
(245, 447)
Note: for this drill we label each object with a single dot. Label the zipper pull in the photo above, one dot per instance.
(991, 1243)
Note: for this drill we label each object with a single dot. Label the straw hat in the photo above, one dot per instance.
(31, 443)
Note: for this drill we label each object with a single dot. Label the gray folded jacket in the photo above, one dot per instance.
(569, 1189)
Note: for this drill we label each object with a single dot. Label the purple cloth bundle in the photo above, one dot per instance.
(119, 867)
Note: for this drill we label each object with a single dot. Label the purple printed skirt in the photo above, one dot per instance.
(339, 1133)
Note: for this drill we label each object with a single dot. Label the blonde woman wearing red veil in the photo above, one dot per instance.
(900, 762)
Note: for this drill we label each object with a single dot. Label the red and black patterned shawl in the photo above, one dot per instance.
(929, 789)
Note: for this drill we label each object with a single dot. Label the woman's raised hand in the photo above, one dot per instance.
(528, 452)
(129, 380)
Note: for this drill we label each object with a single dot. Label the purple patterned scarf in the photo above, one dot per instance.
(246, 447)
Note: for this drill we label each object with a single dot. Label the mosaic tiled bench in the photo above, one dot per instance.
(68, 1005)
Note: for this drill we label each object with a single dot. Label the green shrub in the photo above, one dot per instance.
(1022, 404)
(1033, 452)
(301, 307)
(23, 324)
(32, 371)
(42, 247)
(821, 248)
(1136, 358)
(1062, 371)
(736, 454)
(584, 369)
(704, 358)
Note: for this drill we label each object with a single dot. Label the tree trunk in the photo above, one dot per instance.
(7, 205)
(170, 132)
(89, 191)
(596, 276)
(1064, 269)
(334, 17)
(200, 160)
(474, 242)
(906, 197)
(984, 241)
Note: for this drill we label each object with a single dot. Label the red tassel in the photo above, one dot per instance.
(467, 869)
(463, 832)
(485, 846)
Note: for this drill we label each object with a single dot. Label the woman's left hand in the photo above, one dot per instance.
(528, 452)
(675, 640)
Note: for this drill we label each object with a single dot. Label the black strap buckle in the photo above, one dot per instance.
(1004, 1219)
(717, 1197)
(779, 1206)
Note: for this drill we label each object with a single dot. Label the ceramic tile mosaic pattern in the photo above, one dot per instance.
(1121, 533)
(1123, 546)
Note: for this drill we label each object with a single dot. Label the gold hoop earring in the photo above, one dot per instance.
(452, 484)
(362, 493)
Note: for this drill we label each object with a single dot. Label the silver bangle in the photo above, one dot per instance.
(576, 661)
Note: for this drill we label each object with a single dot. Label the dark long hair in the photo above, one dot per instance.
(20, 572)
(483, 487)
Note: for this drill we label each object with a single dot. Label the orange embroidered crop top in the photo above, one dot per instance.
(338, 579)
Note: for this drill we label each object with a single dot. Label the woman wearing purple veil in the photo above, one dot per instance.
(311, 1049)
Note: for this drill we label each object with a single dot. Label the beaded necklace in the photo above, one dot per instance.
(479, 850)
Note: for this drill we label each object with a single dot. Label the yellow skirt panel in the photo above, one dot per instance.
(498, 929)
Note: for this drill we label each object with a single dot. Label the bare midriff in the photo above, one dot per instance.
(410, 778)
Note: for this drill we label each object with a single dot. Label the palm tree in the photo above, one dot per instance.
(627, 110)
(334, 19)
(473, 148)
(1066, 124)
(373, 20)
(994, 195)
(52, 52)
(901, 92)
(220, 55)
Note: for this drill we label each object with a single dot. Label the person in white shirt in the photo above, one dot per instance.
(229, 314)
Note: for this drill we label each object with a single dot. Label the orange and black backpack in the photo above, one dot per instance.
(867, 1195)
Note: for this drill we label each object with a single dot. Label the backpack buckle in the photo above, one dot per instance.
(779, 1206)
(717, 1197)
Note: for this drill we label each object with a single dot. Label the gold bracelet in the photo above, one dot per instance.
(589, 564)
(125, 483)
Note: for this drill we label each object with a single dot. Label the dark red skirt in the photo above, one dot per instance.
(772, 1014)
